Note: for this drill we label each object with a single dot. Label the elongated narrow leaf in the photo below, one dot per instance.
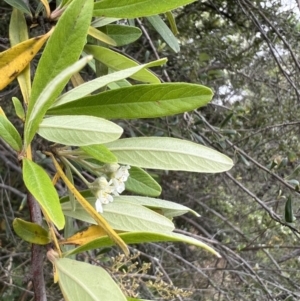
(172, 22)
(31, 232)
(79, 130)
(93, 85)
(100, 153)
(134, 8)
(99, 35)
(18, 33)
(39, 184)
(170, 154)
(20, 5)
(63, 48)
(141, 101)
(143, 237)
(10, 134)
(82, 281)
(100, 22)
(117, 61)
(164, 31)
(163, 205)
(142, 183)
(123, 35)
(124, 216)
(18, 108)
(14, 60)
(46, 98)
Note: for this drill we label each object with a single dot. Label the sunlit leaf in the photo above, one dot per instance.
(140, 101)
(63, 48)
(135, 9)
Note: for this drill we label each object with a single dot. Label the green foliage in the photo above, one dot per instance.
(79, 130)
(10, 134)
(31, 232)
(140, 101)
(168, 153)
(117, 61)
(121, 34)
(39, 184)
(140, 237)
(134, 9)
(81, 118)
(80, 280)
(164, 31)
(142, 183)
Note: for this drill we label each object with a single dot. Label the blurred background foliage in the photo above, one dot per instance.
(248, 53)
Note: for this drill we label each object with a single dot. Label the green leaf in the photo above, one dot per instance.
(169, 209)
(46, 98)
(117, 61)
(10, 134)
(82, 281)
(164, 31)
(100, 153)
(288, 211)
(142, 237)
(134, 9)
(172, 22)
(102, 81)
(18, 33)
(123, 35)
(100, 22)
(134, 299)
(18, 108)
(123, 216)
(63, 48)
(39, 184)
(140, 101)
(20, 5)
(99, 35)
(170, 154)
(31, 232)
(79, 130)
(142, 183)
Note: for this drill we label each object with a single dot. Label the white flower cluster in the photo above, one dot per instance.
(105, 190)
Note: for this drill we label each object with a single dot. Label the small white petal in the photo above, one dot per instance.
(98, 205)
